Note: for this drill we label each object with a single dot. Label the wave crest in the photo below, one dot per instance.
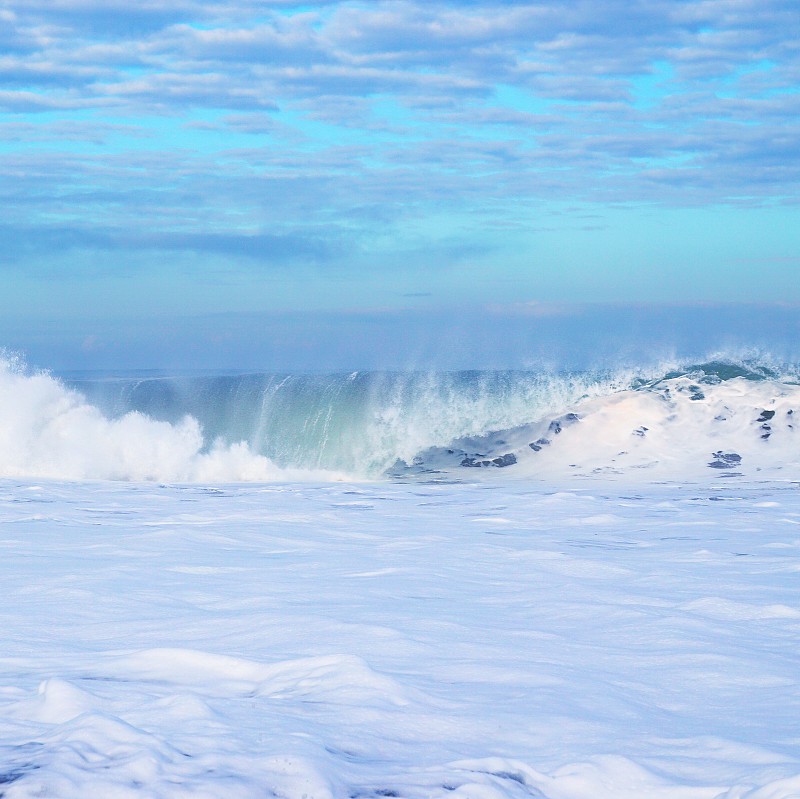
(52, 431)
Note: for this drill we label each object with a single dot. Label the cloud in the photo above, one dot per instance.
(104, 17)
(68, 131)
(313, 124)
(257, 247)
(30, 102)
(287, 44)
(168, 91)
(535, 309)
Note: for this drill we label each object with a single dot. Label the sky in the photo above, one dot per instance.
(261, 184)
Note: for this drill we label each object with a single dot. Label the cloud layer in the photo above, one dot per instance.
(277, 131)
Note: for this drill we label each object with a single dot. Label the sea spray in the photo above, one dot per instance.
(360, 425)
(51, 430)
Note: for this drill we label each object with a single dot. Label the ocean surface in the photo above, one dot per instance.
(483, 584)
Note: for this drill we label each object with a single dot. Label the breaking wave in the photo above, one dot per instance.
(266, 427)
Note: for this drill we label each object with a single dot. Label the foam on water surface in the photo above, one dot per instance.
(492, 639)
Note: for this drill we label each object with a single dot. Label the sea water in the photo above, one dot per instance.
(476, 584)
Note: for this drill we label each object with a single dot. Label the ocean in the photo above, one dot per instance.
(560, 584)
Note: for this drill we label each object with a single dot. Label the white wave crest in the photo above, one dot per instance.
(50, 431)
(675, 428)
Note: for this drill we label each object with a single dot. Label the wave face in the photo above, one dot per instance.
(360, 423)
(254, 427)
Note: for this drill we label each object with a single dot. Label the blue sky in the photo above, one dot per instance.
(190, 165)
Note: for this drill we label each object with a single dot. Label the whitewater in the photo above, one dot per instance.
(549, 584)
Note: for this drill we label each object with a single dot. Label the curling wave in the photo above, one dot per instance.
(255, 427)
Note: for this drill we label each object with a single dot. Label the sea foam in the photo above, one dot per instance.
(50, 430)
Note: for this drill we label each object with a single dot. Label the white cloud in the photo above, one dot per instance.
(363, 112)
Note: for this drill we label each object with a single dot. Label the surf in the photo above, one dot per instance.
(690, 426)
(252, 427)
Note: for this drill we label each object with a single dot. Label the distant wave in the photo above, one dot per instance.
(266, 427)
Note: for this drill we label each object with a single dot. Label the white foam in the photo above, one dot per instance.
(673, 430)
(57, 702)
(53, 432)
(250, 641)
(345, 679)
